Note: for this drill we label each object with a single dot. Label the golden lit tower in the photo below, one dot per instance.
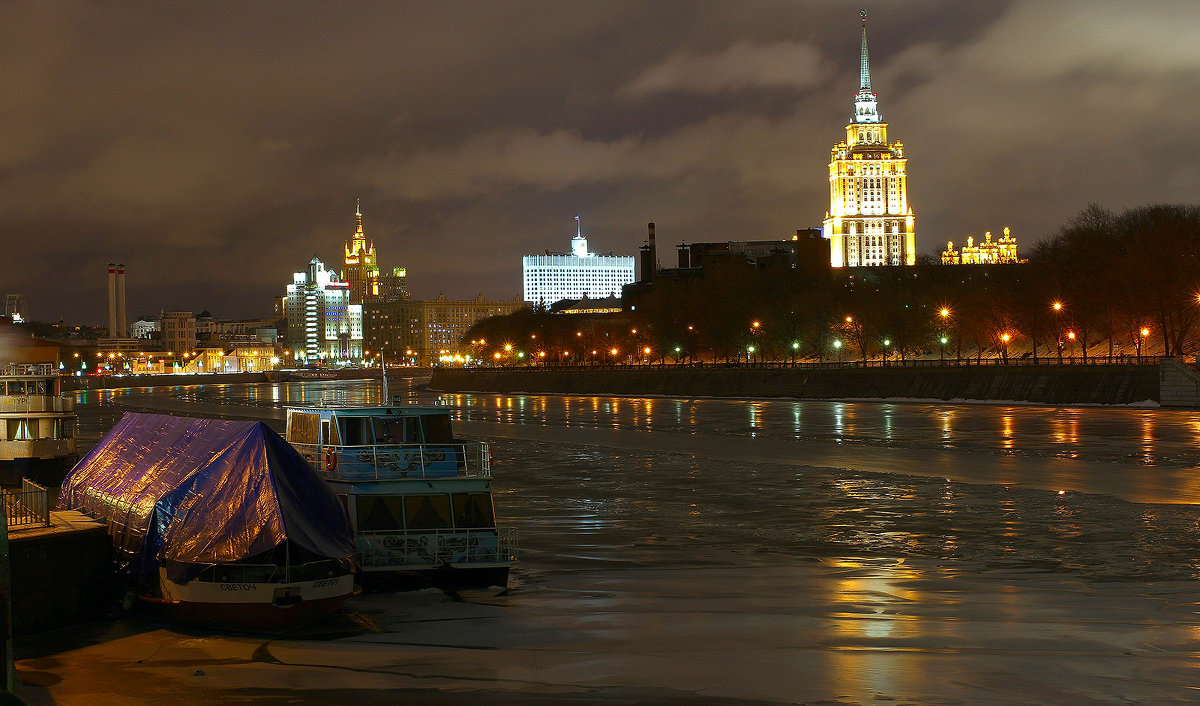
(869, 220)
(360, 270)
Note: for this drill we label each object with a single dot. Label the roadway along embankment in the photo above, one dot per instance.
(1052, 384)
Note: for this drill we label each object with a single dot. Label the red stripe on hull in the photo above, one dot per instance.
(255, 617)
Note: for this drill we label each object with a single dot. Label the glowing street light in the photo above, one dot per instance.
(1137, 341)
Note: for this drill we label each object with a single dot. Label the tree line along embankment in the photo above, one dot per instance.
(1051, 384)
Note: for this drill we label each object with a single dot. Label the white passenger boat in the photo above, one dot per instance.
(37, 424)
(420, 500)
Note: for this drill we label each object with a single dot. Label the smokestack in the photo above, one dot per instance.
(112, 300)
(122, 323)
(649, 255)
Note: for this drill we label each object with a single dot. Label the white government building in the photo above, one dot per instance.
(552, 278)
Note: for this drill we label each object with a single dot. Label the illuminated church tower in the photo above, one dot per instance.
(869, 220)
(360, 269)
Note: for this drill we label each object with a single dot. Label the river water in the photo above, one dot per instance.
(741, 551)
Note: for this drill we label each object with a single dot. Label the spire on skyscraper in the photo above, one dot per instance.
(866, 107)
(864, 69)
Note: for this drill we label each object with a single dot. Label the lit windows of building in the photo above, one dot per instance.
(429, 332)
(550, 278)
(178, 331)
(988, 252)
(322, 323)
(869, 222)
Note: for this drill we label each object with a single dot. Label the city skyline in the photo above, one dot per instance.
(215, 152)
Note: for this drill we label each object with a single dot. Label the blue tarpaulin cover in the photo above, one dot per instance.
(182, 491)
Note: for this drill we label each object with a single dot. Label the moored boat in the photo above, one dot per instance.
(37, 424)
(218, 522)
(420, 500)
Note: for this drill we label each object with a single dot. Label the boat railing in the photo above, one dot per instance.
(27, 369)
(464, 459)
(271, 573)
(27, 507)
(436, 547)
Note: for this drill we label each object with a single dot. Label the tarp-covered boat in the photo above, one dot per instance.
(220, 521)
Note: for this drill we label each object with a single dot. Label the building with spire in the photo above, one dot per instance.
(360, 270)
(551, 278)
(869, 221)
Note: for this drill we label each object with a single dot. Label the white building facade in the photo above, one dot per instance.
(869, 222)
(551, 278)
(322, 323)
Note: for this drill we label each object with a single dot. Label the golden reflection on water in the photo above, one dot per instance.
(1006, 431)
(755, 410)
(947, 425)
(1148, 429)
(869, 624)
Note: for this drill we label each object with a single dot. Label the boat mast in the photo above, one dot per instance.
(383, 368)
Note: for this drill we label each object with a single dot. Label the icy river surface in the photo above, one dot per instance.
(739, 551)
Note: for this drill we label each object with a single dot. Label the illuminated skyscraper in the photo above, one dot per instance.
(869, 220)
(359, 270)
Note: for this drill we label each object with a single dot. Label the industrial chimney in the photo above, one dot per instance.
(118, 326)
(112, 300)
(122, 323)
(649, 255)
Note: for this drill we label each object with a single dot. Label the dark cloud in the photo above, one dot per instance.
(214, 147)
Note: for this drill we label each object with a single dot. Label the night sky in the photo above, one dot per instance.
(215, 147)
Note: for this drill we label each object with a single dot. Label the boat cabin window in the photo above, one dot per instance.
(354, 431)
(473, 510)
(16, 387)
(379, 513)
(383, 513)
(397, 430)
(302, 427)
(427, 511)
(437, 428)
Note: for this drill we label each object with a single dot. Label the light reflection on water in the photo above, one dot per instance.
(577, 505)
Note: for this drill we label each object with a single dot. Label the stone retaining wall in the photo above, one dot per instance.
(1101, 384)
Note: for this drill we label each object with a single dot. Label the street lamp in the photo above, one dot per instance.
(943, 340)
(886, 343)
(1057, 308)
(1137, 342)
(837, 345)
(1004, 337)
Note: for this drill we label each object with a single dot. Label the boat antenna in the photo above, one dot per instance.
(383, 368)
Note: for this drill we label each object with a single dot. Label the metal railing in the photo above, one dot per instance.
(435, 547)
(468, 459)
(271, 573)
(27, 507)
(891, 362)
(27, 369)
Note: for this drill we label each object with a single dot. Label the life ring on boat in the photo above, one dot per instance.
(330, 459)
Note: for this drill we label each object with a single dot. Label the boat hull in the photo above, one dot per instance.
(255, 607)
(447, 578)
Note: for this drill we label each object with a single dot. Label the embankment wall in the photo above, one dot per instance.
(59, 579)
(1101, 384)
